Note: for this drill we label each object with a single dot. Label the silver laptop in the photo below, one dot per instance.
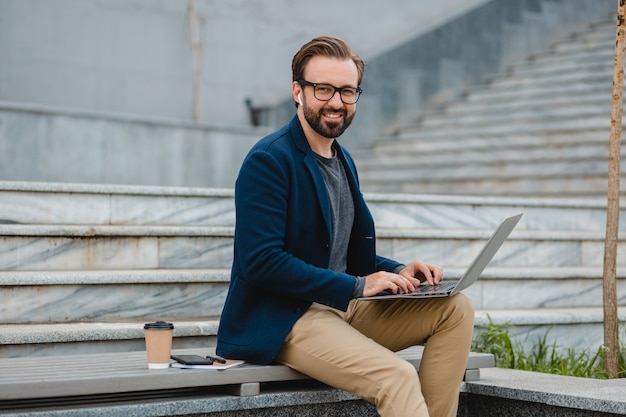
(449, 288)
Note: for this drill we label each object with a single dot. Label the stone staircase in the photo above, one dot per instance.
(540, 129)
(82, 267)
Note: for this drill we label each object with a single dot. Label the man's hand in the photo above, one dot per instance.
(405, 282)
(388, 281)
(433, 274)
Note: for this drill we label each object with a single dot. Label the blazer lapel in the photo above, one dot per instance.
(314, 171)
(320, 189)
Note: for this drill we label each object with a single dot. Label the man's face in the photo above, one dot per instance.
(329, 118)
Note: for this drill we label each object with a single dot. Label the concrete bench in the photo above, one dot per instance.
(55, 380)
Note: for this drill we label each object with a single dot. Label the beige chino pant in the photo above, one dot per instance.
(353, 351)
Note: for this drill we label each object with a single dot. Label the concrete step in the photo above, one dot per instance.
(540, 185)
(582, 76)
(522, 249)
(592, 102)
(531, 69)
(99, 204)
(572, 90)
(83, 247)
(578, 174)
(50, 248)
(601, 38)
(18, 340)
(580, 167)
(580, 328)
(29, 204)
(502, 152)
(528, 113)
(195, 295)
(111, 296)
(551, 63)
(531, 126)
(539, 288)
(549, 59)
(485, 142)
(444, 212)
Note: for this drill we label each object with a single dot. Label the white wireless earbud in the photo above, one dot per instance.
(300, 99)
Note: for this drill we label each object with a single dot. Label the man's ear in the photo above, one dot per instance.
(296, 90)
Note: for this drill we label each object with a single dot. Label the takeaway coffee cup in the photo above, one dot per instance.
(158, 344)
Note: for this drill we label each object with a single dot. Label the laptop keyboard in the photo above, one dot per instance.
(437, 288)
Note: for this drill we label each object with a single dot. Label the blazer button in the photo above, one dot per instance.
(298, 310)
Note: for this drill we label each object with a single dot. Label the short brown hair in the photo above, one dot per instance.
(325, 46)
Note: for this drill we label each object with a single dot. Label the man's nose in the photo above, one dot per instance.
(335, 100)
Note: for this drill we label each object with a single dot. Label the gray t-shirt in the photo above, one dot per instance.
(342, 210)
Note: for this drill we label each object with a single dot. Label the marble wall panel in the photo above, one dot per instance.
(93, 303)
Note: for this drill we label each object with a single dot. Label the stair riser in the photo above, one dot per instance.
(514, 252)
(88, 346)
(579, 336)
(415, 139)
(514, 154)
(573, 90)
(549, 59)
(579, 169)
(23, 207)
(531, 115)
(492, 294)
(587, 186)
(48, 254)
(596, 121)
(579, 76)
(414, 143)
(128, 303)
(45, 304)
(389, 211)
(487, 216)
(595, 100)
(108, 253)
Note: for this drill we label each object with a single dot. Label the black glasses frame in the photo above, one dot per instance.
(357, 91)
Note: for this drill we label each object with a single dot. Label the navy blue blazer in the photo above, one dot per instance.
(282, 245)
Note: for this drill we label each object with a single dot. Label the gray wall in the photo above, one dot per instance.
(134, 56)
(53, 145)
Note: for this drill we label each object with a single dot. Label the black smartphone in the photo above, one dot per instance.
(192, 359)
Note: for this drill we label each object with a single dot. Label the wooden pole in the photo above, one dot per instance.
(609, 293)
(195, 57)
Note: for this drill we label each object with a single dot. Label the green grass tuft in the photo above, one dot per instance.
(544, 356)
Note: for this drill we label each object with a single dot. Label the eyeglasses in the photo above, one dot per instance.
(325, 92)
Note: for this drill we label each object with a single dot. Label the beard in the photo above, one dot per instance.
(324, 128)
